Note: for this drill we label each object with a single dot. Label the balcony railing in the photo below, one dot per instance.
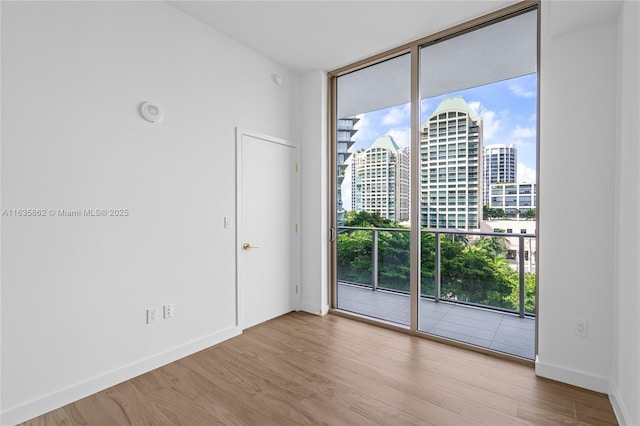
(493, 270)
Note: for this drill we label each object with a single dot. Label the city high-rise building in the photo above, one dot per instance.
(380, 180)
(499, 165)
(451, 167)
(345, 132)
(516, 199)
(357, 174)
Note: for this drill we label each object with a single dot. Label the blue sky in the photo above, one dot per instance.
(508, 109)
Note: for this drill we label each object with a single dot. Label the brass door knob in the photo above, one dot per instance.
(247, 246)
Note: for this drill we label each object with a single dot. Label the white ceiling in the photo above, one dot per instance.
(308, 35)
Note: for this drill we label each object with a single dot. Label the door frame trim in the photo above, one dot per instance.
(295, 261)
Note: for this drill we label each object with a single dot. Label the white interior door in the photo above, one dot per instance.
(267, 228)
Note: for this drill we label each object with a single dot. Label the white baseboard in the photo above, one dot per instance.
(81, 390)
(572, 377)
(325, 310)
(622, 415)
(314, 309)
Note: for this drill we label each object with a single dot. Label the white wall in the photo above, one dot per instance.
(75, 289)
(577, 156)
(314, 194)
(625, 392)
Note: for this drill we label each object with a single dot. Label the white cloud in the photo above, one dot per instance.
(526, 174)
(490, 123)
(365, 130)
(362, 124)
(425, 107)
(475, 106)
(523, 132)
(533, 117)
(397, 115)
(520, 91)
(346, 187)
(519, 143)
(402, 136)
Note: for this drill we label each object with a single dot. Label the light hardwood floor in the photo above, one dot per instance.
(303, 369)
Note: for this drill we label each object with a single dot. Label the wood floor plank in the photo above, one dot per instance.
(283, 407)
(149, 382)
(301, 369)
(294, 367)
(437, 415)
(259, 374)
(580, 396)
(180, 410)
(128, 406)
(488, 416)
(360, 379)
(507, 402)
(184, 380)
(429, 386)
(56, 417)
(593, 414)
(222, 372)
(89, 411)
(317, 407)
(381, 412)
(274, 375)
(225, 412)
(235, 410)
(542, 405)
(548, 415)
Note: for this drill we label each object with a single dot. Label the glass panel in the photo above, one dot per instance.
(373, 191)
(474, 270)
(375, 88)
(497, 52)
(530, 278)
(393, 261)
(354, 257)
(480, 89)
(477, 165)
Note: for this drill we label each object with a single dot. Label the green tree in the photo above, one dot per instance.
(367, 220)
(393, 260)
(427, 263)
(529, 293)
(530, 214)
(354, 256)
(471, 274)
(486, 212)
(489, 214)
(494, 246)
(477, 273)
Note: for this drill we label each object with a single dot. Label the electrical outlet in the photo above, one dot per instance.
(168, 311)
(152, 315)
(581, 328)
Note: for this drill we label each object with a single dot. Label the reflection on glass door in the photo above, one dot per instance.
(372, 194)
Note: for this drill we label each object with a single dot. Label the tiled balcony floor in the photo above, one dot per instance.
(498, 331)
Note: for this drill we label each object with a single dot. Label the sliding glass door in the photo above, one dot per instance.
(458, 113)
(478, 103)
(372, 186)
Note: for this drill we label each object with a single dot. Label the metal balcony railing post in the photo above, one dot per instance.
(437, 268)
(374, 261)
(521, 270)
